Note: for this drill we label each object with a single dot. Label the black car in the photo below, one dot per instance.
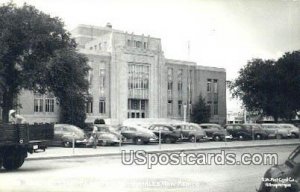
(215, 132)
(246, 131)
(284, 177)
(168, 134)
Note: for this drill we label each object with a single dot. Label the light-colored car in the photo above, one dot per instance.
(293, 129)
(137, 135)
(276, 131)
(65, 133)
(191, 132)
(106, 136)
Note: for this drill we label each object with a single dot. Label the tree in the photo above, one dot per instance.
(270, 88)
(201, 111)
(38, 54)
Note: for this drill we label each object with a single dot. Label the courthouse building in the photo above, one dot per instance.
(131, 78)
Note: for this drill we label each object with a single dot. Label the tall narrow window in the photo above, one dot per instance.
(102, 106)
(38, 105)
(102, 81)
(89, 106)
(170, 83)
(208, 87)
(49, 105)
(180, 108)
(180, 84)
(170, 107)
(216, 108)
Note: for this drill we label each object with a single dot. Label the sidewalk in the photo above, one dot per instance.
(61, 153)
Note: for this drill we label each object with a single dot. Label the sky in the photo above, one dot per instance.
(219, 33)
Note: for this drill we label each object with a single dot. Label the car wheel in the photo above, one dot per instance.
(103, 143)
(258, 137)
(138, 141)
(217, 138)
(278, 136)
(67, 144)
(295, 135)
(192, 139)
(168, 140)
(13, 160)
(241, 137)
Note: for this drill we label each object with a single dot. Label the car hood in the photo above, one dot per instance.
(108, 136)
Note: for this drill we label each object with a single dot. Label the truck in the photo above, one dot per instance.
(17, 140)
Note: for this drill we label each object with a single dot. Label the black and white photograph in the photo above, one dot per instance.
(150, 95)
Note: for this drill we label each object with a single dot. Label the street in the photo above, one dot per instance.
(109, 174)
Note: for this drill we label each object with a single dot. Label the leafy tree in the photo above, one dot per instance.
(269, 87)
(201, 111)
(38, 54)
(288, 72)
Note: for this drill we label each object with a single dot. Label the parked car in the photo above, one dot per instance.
(106, 136)
(191, 132)
(246, 131)
(215, 132)
(168, 133)
(293, 129)
(287, 173)
(64, 134)
(276, 131)
(137, 134)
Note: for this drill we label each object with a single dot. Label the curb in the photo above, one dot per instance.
(158, 151)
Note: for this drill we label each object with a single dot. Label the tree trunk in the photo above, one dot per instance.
(8, 100)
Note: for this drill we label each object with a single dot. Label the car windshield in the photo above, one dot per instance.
(74, 129)
(295, 156)
(103, 129)
(271, 126)
(286, 126)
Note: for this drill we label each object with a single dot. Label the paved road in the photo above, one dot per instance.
(109, 174)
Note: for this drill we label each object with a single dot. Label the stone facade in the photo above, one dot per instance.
(131, 78)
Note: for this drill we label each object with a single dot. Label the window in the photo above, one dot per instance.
(170, 107)
(138, 80)
(38, 105)
(180, 108)
(102, 81)
(49, 105)
(208, 85)
(89, 106)
(100, 46)
(145, 45)
(215, 86)
(102, 106)
(215, 108)
(170, 83)
(128, 42)
(138, 44)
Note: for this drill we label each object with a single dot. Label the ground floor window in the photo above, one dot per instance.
(38, 105)
(170, 107)
(102, 106)
(137, 108)
(49, 105)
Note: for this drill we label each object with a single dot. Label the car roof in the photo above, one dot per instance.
(210, 124)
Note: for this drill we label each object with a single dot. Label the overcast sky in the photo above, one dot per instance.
(224, 33)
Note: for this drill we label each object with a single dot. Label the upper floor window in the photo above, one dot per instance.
(208, 87)
(215, 86)
(89, 106)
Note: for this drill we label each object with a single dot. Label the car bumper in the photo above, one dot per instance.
(229, 137)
